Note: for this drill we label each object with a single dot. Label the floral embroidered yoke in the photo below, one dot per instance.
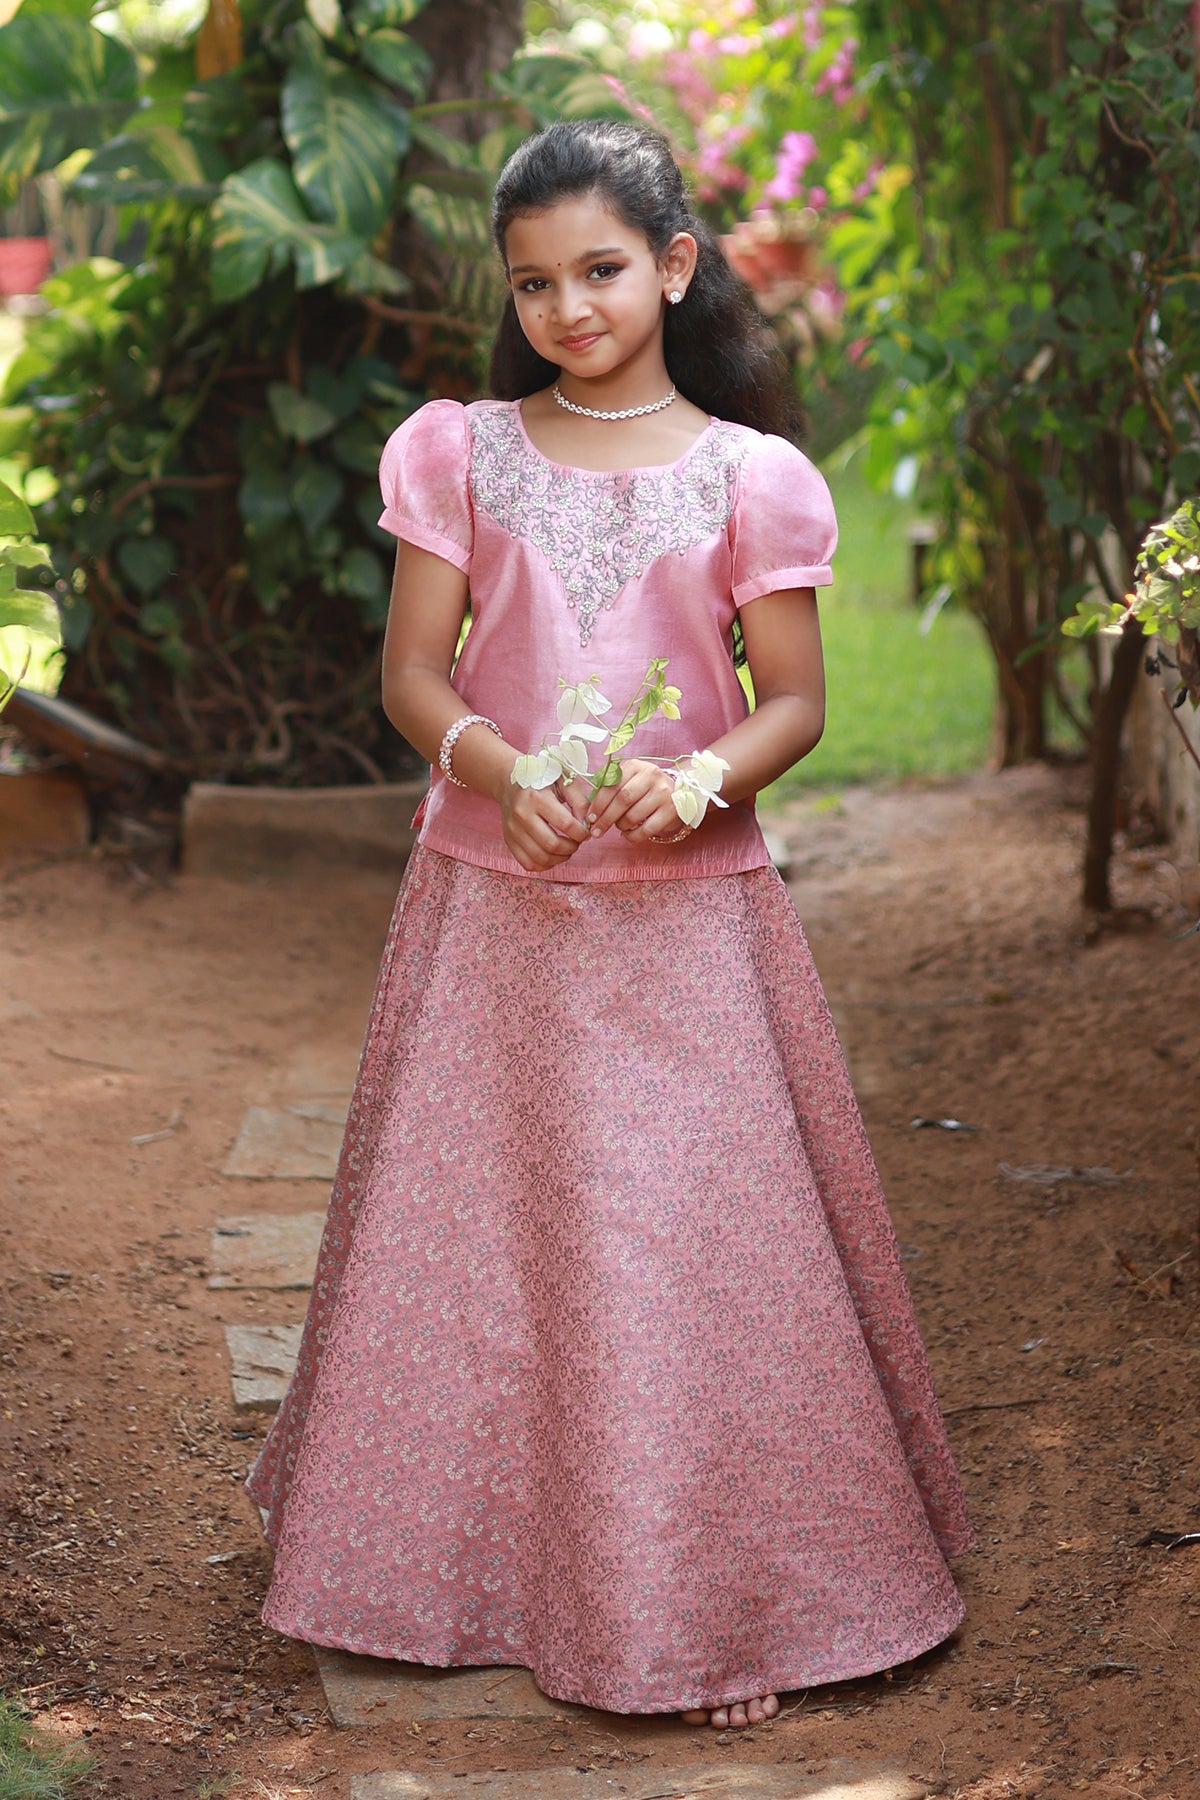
(576, 570)
(597, 536)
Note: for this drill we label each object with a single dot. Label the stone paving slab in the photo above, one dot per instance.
(265, 1250)
(697, 1781)
(300, 1143)
(360, 1690)
(263, 1357)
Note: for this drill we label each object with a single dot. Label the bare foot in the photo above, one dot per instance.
(736, 1715)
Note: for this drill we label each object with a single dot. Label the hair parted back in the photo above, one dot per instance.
(716, 345)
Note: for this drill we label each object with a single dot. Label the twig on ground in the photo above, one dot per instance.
(953, 1412)
(91, 1062)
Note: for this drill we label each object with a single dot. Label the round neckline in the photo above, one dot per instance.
(633, 468)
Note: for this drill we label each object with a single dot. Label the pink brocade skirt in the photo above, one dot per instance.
(610, 1370)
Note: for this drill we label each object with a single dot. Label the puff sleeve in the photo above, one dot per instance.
(424, 480)
(784, 530)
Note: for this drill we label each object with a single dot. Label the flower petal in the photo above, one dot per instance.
(689, 804)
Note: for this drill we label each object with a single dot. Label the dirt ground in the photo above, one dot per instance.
(1062, 1320)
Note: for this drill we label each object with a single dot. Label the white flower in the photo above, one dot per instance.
(577, 704)
(537, 770)
(696, 783)
(570, 755)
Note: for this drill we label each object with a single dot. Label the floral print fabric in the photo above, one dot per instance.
(610, 1368)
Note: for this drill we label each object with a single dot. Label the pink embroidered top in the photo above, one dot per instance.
(575, 572)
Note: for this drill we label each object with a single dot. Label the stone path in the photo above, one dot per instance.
(301, 1143)
(697, 1781)
(278, 1252)
(360, 1689)
(262, 1358)
(265, 1250)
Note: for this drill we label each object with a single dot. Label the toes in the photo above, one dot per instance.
(770, 1705)
(737, 1716)
(719, 1717)
(754, 1712)
(698, 1716)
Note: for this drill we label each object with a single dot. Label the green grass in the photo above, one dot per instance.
(899, 704)
(32, 1766)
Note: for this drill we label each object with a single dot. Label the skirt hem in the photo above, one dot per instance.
(793, 1680)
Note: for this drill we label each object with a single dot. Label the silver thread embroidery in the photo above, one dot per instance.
(599, 530)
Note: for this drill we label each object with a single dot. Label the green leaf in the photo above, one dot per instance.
(158, 163)
(34, 611)
(346, 136)
(1063, 509)
(369, 15)
(63, 87)
(363, 578)
(265, 501)
(396, 59)
(357, 447)
(261, 225)
(326, 15)
(316, 494)
(342, 394)
(297, 415)
(160, 618)
(1185, 469)
(147, 561)
(559, 87)
(16, 520)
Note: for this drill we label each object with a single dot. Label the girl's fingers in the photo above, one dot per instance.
(574, 797)
(663, 822)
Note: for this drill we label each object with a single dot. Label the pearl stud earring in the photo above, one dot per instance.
(674, 296)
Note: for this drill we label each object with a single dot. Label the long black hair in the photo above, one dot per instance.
(716, 344)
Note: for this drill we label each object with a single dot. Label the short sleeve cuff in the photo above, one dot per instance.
(425, 539)
(778, 580)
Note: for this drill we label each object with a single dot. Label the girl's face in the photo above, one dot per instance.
(589, 291)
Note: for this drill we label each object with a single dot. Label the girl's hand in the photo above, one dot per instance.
(543, 827)
(641, 805)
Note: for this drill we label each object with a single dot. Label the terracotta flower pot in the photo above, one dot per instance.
(24, 264)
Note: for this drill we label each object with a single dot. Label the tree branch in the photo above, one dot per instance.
(408, 315)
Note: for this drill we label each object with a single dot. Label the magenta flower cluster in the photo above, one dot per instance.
(837, 78)
(796, 150)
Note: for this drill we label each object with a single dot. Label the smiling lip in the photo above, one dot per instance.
(581, 343)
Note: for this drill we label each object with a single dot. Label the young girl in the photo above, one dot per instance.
(610, 1369)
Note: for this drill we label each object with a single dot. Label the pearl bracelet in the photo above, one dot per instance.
(446, 753)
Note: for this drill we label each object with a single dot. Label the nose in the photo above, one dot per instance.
(574, 303)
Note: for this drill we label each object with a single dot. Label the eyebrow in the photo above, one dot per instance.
(588, 256)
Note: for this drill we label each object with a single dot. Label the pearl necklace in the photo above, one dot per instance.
(629, 412)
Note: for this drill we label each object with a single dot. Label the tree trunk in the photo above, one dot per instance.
(1106, 767)
(1009, 602)
(467, 39)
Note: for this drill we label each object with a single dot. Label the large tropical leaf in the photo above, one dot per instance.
(346, 136)
(261, 225)
(560, 87)
(63, 87)
(158, 163)
(397, 59)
